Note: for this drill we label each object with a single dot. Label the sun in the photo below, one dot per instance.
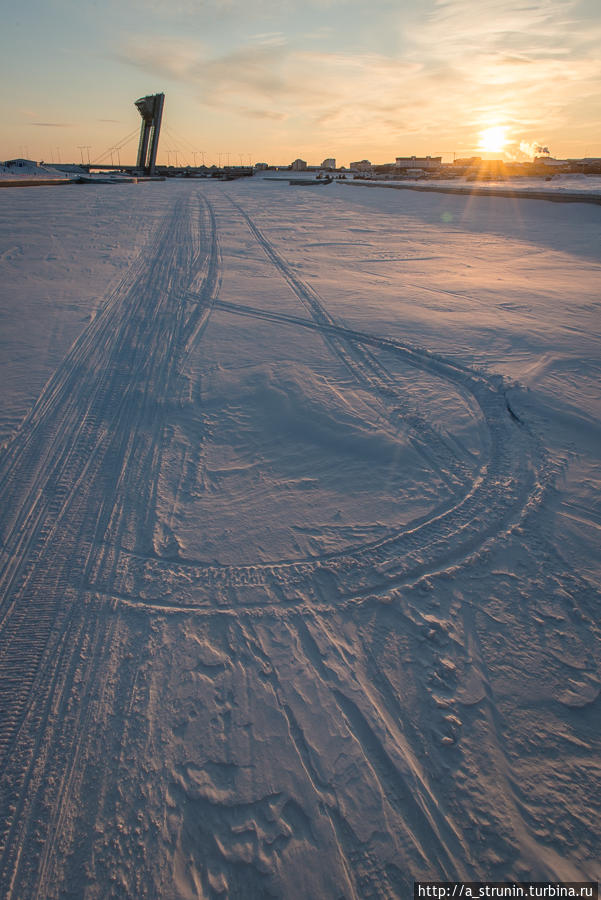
(493, 139)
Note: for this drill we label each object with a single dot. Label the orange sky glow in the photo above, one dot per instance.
(267, 81)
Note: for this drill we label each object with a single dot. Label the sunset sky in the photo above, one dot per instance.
(271, 81)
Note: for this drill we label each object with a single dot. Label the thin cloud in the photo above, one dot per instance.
(254, 113)
(466, 66)
(517, 65)
(325, 32)
(51, 124)
(248, 10)
(269, 39)
(168, 57)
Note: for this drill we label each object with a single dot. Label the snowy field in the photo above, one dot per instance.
(299, 541)
(557, 184)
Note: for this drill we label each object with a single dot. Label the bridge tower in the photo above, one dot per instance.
(151, 110)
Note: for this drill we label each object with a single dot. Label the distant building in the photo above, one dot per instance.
(468, 161)
(550, 162)
(328, 164)
(418, 162)
(261, 167)
(299, 165)
(20, 164)
(590, 165)
(362, 165)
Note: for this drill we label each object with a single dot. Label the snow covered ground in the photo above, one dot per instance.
(299, 540)
(584, 184)
(30, 171)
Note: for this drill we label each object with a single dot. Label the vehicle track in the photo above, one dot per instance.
(71, 476)
(73, 545)
(489, 501)
(371, 373)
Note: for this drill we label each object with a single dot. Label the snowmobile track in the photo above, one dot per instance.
(69, 478)
(79, 486)
(487, 502)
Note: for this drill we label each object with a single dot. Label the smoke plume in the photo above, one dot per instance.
(533, 149)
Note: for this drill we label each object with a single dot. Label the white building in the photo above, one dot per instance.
(363, 165)
(20, 164)
(299, 165)
(418, 162)
(328, 164)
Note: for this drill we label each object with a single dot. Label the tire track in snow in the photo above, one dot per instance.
(370, 372)
(367, 742)
(70, 483)
(71, 530)
(510, 481)
(404, 785)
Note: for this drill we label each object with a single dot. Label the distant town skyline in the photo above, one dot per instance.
(270, 82)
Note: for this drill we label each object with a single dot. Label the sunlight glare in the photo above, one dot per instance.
(493, 139)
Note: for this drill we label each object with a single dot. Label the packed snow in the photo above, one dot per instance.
(28, 169)
(552, 184)
(299, 540)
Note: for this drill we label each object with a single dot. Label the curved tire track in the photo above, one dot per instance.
(509, 481)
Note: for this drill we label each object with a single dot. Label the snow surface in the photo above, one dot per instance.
(574, 183)
(299, 541)
(29, 169)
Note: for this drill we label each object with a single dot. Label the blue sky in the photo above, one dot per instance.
(270, 81)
